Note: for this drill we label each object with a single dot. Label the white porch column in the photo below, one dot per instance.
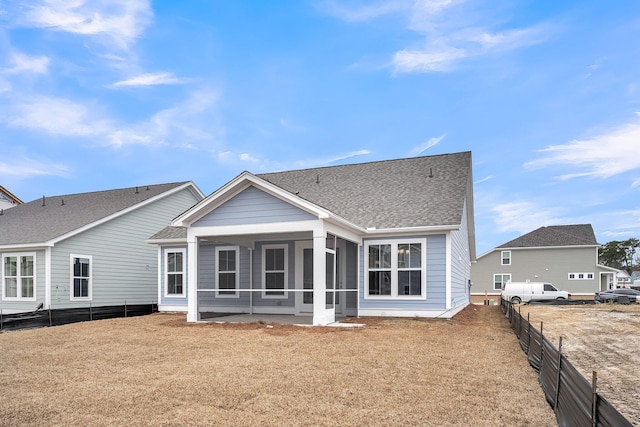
(319, 277)
(192, 279)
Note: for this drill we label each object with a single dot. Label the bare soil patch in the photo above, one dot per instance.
(604, 338)
(161, 370)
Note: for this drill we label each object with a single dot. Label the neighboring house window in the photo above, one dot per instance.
(396, 269)
(499, 280)
(175, 277)
(227, 276)
(18, 276)
(81, 277)
(581, 276)
(274, 271)
(506, 257)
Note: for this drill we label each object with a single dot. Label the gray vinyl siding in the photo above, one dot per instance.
(460, 264)
(175, 301)
(551, 265)
(207, 277)
(436, 280)
(40, 285)
(124, 267)
(253, 206)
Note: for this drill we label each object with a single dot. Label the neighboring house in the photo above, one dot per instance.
(90, 248)
(8, 200)
(565, 255)
(623, 279)
(390, 238)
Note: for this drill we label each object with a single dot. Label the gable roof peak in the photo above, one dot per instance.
(555, 235)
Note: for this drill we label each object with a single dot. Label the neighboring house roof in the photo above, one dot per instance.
(555, 235)
(414, 192)
(49, 218)
(8, 195)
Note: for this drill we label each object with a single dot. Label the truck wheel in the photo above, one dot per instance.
(560, 298)
(516, 300)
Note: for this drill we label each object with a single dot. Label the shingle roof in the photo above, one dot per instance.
(555, 235)
(170, 232)
(34, 223)
(415, 192)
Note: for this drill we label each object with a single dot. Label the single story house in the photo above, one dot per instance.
(79, 249)
(388, 238)
(564, 255)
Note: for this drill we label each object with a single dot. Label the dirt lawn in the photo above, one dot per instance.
(160, 370)
(604, 338)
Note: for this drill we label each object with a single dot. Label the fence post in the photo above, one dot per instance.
(90, 311)
(555, 403)
(0, 319)
(594, 400)
(528, 332)
(541, 350)
(50, 315)
(125, 308)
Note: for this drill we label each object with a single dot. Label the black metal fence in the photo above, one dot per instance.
(575, 401)
(56, 317)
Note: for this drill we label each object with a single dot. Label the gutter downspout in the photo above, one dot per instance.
(250, 280)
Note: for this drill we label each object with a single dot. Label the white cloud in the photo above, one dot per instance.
(288, 125)
(602, 156)
(149, 79)
(523, 216)
(426, 145)
(635, 183)
(364, 12)
(27, 168)
(485, 179)
(21, 63)
(120, 21)
(56, 116)
(246, 157)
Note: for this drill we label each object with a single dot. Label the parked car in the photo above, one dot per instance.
(612, 295)
(518, 292)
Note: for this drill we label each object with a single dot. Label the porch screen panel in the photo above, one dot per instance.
(274, 271)
(307, 279)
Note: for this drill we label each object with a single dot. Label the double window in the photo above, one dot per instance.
(18, 276)
(499, 280)
(175, 273)
(275, 271)
(396, 269)
(227, 276)
(80, 277)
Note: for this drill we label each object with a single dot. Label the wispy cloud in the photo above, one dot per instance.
(485, 179)
(290, 126)
(523, 216)
(415, 151)
(121, 22)
(149, 79)
(27, 168)
(22, 63)
(365, 11)
(57, 116)
(602, 156)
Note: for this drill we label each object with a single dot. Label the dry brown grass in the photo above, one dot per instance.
(159, 370)
(604, 338)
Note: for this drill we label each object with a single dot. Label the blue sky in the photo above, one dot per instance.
(118, 93)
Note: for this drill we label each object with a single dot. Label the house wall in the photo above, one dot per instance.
(436, 282)
(551, 265)
(8, 307)
(460, 264)
(253, 206)
(124, 266)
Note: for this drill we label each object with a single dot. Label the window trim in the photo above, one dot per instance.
(19, 296)
(394, 268)
(236, 292)
(493, 285)
(183, 251)
(502, 257)
(72, 257)
(286, 272)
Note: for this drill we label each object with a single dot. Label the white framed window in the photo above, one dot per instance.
(499, 280)
(580, 276)
(505, 258)
(396, 269)
(174, 276)
(81, 282)
(227, 275)
(19, 276)
(275, 271)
